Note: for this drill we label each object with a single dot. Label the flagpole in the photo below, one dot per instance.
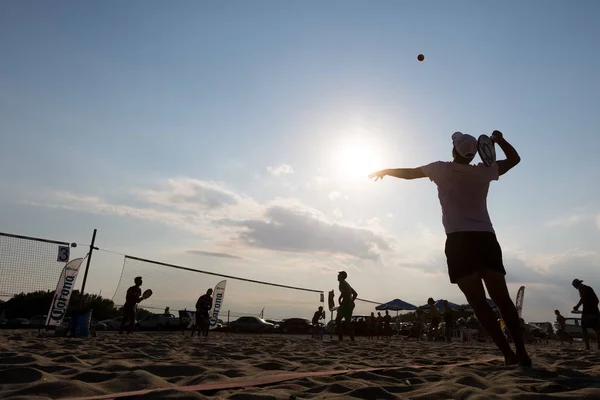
(87, 267)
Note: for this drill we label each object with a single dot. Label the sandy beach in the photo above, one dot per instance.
(40, 368)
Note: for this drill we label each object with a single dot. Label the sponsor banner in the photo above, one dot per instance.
(519, 302)
(322, 296)
(62, 295)
(331, 301)
(218, 298)
(187, 319)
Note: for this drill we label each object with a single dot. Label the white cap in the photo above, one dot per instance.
(465, 145)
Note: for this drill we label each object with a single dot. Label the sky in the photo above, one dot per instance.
(236, 137)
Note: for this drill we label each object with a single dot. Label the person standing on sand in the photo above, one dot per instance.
(344, 311)
(133, 297)
(387, 325)
(318, 315)
(379, 321)
(562, 332)
(448, 323)
(203, 306)
(372, 321)
(590, 315)
(435, 320)
(472, 250)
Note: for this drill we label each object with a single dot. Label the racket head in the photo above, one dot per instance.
(486, 150)
(147, 293)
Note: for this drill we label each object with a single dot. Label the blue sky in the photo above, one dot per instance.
(248, 129)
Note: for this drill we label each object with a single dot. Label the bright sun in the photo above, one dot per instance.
(355, 159)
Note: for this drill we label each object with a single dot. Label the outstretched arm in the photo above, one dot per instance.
(512, 157)
(403, 173)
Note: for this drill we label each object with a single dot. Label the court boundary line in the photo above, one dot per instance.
(271, 379)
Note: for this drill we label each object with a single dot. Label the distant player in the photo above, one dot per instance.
(472, 250)
(347, 298)
(387, 325)
(203, 306)
(562, 331)
(133, 297)
(316, 328)
(590, 315)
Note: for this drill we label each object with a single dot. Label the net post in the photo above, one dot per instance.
(87, 267)
(228, 311)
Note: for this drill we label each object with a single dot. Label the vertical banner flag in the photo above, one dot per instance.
(331, 301)
(218, 297)
(322, 297)
(519, 302)
(62, 295)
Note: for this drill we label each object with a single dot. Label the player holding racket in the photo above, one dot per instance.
(134, 296)
(473, 254)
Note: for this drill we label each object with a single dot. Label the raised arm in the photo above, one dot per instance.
(512, 157)
(403, 173)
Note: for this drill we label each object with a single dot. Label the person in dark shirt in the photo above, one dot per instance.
(317, 316)
(387, 325)
(347, 298)
(133, 297)
(379, 321)
(448, 323)
(203, 306)
(590, 315)
(372, 321)
(562, 332)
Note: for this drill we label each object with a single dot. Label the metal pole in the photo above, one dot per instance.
(87, 267)
(228, 323)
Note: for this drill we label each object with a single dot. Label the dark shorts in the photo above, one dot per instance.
(202, 319)
(470, 252)
(590, 321)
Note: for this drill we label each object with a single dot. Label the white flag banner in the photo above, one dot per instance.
(63, 292)
(218, 297)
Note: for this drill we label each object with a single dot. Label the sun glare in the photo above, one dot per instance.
(355, 159)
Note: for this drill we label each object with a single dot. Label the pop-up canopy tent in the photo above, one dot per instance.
(396, 305)
(467, 307)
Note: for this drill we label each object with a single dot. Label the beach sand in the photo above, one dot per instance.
(40, 368)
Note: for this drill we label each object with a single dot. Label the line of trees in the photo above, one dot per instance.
(28, 305)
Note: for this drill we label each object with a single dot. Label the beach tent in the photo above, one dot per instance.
(396, 305)
(439, 304)
(467, 307)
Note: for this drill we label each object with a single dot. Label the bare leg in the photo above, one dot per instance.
(472, 287)
(586, 338)
(496, 286)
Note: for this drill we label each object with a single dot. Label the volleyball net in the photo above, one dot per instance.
(29, 264)
(179, 287)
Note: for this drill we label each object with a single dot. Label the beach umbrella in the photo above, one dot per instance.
(396, 305)
(467, 307)
(440, 305)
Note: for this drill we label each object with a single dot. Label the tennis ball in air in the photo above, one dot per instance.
(420, 57)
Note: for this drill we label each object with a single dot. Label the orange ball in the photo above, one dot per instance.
(420, 57)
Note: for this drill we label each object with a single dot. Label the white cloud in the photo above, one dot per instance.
(390, 215)
(317, 182)
(568, 221)
(280, 170)
(337, 213)
(598, 221)
(334, 195)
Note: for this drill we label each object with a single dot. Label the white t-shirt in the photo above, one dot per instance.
(462, 190)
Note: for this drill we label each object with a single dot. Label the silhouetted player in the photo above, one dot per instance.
(133, 297)
(562, 328)
(203, 306)
(472, 250)
(318, 315)
(344, 311)
(448, 321)
(590, 315)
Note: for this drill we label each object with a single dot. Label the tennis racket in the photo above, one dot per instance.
(486, 150)
(147, 294)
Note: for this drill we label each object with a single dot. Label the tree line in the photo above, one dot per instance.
(28, 305)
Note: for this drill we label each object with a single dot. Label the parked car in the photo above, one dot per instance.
(38, 321)
(295, 325)
(573, 328)
(251, 325)
(114, 323)
(159, 322)
(18, 323)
